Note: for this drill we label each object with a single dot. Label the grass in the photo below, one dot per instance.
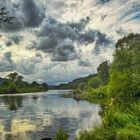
(61, 135)
(118, 124)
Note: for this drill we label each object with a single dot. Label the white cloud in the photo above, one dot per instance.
(114, 18)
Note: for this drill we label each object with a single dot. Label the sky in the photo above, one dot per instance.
(56, 41)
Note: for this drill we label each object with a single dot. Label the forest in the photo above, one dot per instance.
(14, 83)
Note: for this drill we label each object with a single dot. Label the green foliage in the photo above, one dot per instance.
(117, 125)
(15, 84)
(118, 119)
(132, 132)
(94, 82)
(61, 135)
(12, 88)
(103, 72)
(125, 69)
(121, 98)
(15, 77)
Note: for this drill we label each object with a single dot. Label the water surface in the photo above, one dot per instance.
(35, 116)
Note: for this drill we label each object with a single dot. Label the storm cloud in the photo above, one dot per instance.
(33, 14)
(84, 63)
(58, 49)
(15, 39)
(59, 39)
(27, 14)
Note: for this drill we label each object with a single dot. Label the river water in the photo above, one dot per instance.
(34, 116)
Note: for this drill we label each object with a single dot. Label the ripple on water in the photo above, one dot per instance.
(39, 115)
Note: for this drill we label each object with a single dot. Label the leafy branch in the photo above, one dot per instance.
(5, 17)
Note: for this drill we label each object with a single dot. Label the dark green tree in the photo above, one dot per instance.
(103, 72)
(12, 88)
(45, 86)
(125, 69)
(94, 82)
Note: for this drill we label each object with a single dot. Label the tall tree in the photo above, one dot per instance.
(125, 69)
(15, 77)
(103, 72)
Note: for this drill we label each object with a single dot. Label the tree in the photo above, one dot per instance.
(34, 84)
(12, 88)
(94, 82)
(20, 78)
(12, 76)
(125, 69)
(45, 86)
(5, 17)
(15, 77)
(103, 72)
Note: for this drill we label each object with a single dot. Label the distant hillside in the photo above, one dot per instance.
(75, 83)
(92, 80)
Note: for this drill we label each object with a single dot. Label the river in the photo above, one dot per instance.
(34, 116)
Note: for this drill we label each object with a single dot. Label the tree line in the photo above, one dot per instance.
(14, 83)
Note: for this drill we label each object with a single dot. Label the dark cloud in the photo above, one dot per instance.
(6, 63)
(102, 39)
(103, 1)
(78, 26)
(53, 28)
(58, 49)
(121, 32)
(27, 14)
(33, 14)
(74, 31)
(15, 39)
(65, 51)
(54, 36)
(84, 63)
(9, 43)
(17, 24)
(46, 44)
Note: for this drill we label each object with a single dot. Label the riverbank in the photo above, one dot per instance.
(119, 121)
(116, 87)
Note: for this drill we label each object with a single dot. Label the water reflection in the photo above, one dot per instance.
(37, 116)
(18, 128)
(12, 102)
